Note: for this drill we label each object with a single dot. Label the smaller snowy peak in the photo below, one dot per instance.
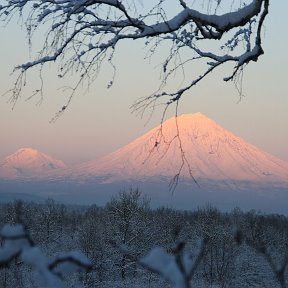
(28, 162)
(24, 154)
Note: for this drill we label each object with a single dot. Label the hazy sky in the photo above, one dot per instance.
(99, 121)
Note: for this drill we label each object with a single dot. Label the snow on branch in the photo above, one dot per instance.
(278, 269)
(177, 268)
(17, 243)
(82, 34)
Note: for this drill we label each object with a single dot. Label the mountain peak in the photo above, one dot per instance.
(26, 162)
(193, 123)
(211, 152)
(27, 151)
(24, 155)
(196, 115)
(188, 119)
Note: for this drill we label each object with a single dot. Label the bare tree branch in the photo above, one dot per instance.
(82, 34)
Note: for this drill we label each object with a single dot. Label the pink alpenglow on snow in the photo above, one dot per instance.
(211, 151)
(28, 162)
(208, 151)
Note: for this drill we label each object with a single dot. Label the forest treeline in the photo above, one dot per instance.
(235, 249)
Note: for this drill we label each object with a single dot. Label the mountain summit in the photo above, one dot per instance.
(28, 162)
(189, 140)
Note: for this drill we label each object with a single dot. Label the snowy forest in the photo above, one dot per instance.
(129, 244)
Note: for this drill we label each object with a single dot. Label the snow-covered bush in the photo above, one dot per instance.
(18, 244)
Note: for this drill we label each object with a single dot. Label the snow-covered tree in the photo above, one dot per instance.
(93, 240)
(82, 35)
(19, 245)
(205, 248)
(127, 213)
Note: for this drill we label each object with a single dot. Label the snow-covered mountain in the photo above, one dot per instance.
(230, 172)
(190, 140)
(191, 144)
(28, 163)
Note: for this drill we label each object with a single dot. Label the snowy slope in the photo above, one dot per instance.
(212, 152)
(28, 163)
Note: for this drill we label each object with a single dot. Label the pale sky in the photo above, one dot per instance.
(99, 121)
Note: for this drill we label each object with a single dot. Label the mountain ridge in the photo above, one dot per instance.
(206, 149)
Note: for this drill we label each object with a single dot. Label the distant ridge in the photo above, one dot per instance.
(27, 163)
